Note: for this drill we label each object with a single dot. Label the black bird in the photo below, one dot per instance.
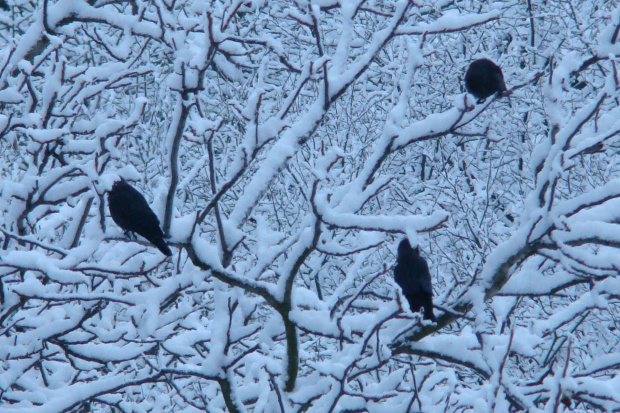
(412, 275)
(132, 213)
(484, 78)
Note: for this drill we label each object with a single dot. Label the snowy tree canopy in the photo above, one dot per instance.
(287, 147)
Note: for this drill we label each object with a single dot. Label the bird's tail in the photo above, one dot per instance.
(424, 301)
(161, 245)
(505, 94)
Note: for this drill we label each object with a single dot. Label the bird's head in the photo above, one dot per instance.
(119, 184)
(405, 248)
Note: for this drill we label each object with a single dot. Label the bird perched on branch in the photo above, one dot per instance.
(132, 213)
(412, 275)
(483, 79)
